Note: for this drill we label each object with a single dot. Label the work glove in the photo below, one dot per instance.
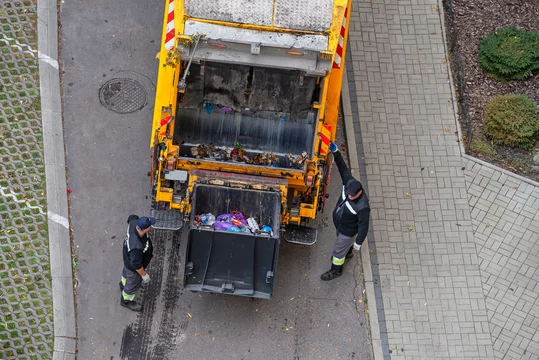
(357, 246)
(333, 147)
(146, 279)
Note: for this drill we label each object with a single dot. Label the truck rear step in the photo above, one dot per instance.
(167, 219)
(300, 235)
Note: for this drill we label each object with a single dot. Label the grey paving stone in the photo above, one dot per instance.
(446, 276)
(512, 212)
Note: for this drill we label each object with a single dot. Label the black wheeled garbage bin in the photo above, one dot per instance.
(229, 262)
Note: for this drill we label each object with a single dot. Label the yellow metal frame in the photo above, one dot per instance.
(166, 101)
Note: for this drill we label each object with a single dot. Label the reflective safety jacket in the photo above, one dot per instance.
(137, 251)
(350, 217)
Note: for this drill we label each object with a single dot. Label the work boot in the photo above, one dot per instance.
(335, 271)
(131, 305)
(121, 286)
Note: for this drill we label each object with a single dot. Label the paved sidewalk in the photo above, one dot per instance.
(26, 327)
(429, 292)
(505, 213)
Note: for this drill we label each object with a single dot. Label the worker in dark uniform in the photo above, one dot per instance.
(137, 253)
(350, 217)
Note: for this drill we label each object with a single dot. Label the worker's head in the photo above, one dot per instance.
(144, 224)
(354, 189)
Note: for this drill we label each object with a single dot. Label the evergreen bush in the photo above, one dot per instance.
(510, 53)
(512, 120)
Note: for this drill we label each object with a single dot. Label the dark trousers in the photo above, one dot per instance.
(131, 281)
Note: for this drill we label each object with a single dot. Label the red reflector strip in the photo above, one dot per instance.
(166, 120)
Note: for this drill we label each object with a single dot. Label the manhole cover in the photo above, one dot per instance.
(122, 96)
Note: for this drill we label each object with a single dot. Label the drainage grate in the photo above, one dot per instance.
(123, 96)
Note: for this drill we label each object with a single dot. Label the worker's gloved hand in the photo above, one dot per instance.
(333, 147)
(357, 246)
(146, 279)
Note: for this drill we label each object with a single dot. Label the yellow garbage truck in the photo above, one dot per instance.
(246, 105)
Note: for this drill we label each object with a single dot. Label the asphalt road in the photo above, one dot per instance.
(108, 159)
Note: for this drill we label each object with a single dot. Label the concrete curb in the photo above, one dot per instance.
(456, 112)
(55, 173)
(376, 338)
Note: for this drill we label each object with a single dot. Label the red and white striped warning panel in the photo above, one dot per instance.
(325, 135)
(163, 126)
(170, 32)
(340, 46)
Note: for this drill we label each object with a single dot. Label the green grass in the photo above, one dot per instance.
(25, 287)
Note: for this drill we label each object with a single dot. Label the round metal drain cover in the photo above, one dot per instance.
(123, 96)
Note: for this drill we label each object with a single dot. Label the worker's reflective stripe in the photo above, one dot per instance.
(351, 208)
(126, 240)
(347, 203)
(127, 297)
(124, 280)
(337, 261)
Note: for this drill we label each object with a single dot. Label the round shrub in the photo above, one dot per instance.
(510, 53)
(512, 120)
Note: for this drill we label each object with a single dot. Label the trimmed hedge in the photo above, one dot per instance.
(510, 53)
(512, 120)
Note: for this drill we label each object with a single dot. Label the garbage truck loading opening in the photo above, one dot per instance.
(267, 114)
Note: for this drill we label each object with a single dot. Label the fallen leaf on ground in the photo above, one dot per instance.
(410, 228)
(189, 315)
(157, 55)
(197, 334)
(409, 195)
